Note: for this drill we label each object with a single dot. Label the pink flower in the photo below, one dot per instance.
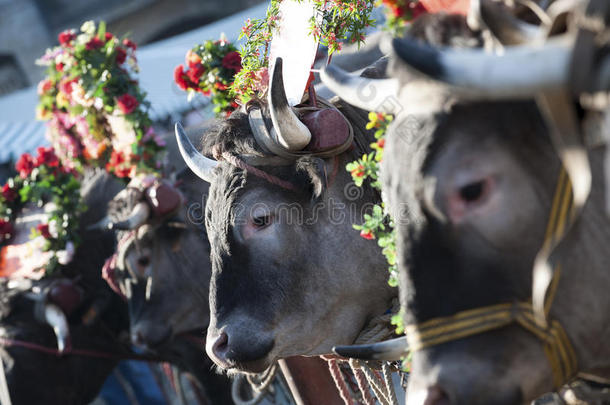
(127, 103)
(44, 86)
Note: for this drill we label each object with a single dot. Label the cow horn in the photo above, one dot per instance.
(522, 71)
(138, 216)
(508, 29)
(368, 94)
(389, 350)
(199, 164)
(55, 318)
(290, 132)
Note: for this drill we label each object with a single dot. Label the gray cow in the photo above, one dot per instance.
(163, 270)
(289, 274)
(471, 184)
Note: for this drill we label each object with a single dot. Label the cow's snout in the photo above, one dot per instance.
(239, 349)
(150, 335)
(220, 347)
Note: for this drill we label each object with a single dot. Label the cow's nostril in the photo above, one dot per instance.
(436, 396)
(220, 346)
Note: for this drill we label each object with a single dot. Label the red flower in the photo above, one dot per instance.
(66, 85)
(8, 193)
(220, 86)
(192, 59)
(25, 165)
(94, 43)
(44, 86)
(358, 171)
(44, 230)
(367, 234)
(232, 60)
(66, 37)
(6, 229)
(181, 78)
(195, 72)
(129, 44)
(59, 67)
(121, 55)
(381, 143)
(108, 36)
(127, 103)
(46, 156)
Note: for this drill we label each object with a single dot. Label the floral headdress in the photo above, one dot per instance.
(210, 70)
(96, 111)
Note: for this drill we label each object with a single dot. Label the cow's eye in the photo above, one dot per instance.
(262, 221)
(473, 191)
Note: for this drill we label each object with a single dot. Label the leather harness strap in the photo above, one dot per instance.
(557, 346)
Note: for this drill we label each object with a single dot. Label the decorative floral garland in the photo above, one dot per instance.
(97, 113)
(378, 224)
(336, 20)
(401, 12)
(211, 68)
(44, 181)
(97, 118)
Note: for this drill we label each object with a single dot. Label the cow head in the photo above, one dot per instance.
(289, 274)
(162, 266)
(470, 184)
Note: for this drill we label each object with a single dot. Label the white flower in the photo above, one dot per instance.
(54, 228)
(65, 256)
(98, 103)
(88, 27)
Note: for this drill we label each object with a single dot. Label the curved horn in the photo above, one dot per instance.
(137, 217)
(55, 318)
(390, 350)
(199, 164)
(379, 95)
(522, 71)
(508, 29)
(290, 132)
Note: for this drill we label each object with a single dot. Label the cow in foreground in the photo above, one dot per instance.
(471, 183)
(289, 274)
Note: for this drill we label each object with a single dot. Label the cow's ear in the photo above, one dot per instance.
(315, 169)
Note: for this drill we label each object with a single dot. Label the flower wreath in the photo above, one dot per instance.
(43, 182)
(211, 67)
(97, 113)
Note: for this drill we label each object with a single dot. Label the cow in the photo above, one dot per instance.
(289, 274)
(72, 310)
(163, 270)
(470, 182)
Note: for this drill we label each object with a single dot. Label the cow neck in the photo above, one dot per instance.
(557, 345)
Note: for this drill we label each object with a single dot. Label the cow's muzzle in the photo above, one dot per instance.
(232, 350)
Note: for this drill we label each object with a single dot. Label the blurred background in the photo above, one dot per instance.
(163, 29)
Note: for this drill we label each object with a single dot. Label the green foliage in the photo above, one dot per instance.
(335, 20)
(378, 224)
